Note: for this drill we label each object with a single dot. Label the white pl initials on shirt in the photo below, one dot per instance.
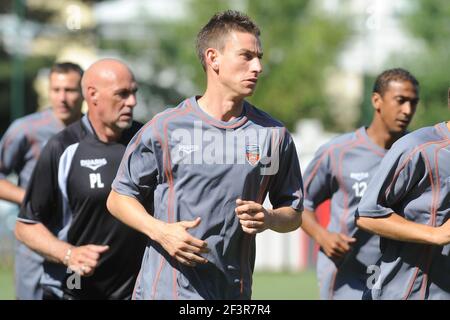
(96, 179)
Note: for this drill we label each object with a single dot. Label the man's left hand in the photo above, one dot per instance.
(254, 218)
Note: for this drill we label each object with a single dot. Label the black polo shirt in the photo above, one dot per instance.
(67, 193)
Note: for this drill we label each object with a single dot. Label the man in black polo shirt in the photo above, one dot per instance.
(64, 215)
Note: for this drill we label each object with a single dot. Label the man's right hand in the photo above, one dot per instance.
(182, 246)
(335, 245)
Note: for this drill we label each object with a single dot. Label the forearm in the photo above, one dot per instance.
(131, 212)
(311, 226)
(396, 227)
(10, 192)
(284, 219)
(40, 239)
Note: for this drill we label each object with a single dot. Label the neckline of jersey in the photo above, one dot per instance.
(443, 130)
(232, 124)
(363, 131)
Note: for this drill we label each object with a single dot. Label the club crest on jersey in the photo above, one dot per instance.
(358, 176)
(252, 154)
(93, 164)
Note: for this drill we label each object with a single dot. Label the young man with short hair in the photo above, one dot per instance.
(341, 171)
(207, 166)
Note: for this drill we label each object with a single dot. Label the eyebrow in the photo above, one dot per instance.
(134, 90)
(259, 54)
(407, 98)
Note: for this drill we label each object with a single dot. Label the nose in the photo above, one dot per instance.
(408, 108)
(132, 100)
(62, 95)
(257, 65)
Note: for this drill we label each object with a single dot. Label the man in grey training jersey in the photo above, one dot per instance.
(20, 148)
(194, 178)
(409, 205)
(341, 171)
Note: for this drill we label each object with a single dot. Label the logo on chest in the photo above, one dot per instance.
(252, 154)
(93, 164)
(95, 179)
(359, 176)
(188, 148)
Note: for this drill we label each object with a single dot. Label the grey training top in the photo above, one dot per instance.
(20, 148)
(22, 143)
(190, 165)
(341, 170)
(413, 181)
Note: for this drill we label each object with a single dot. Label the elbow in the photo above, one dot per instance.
(299, 220)
(18, 231)
(362, 223)
(110, 203)
(358, 222)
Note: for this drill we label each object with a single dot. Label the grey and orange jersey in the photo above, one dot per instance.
(20, 148)
(22, 143)
(341, 170)
(413, 181)
(190, 165)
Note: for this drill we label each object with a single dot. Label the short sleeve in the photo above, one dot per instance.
(13, 148)
(318, 176)
(286, 188)
(399, 171)
(42, 198)
(138, 171)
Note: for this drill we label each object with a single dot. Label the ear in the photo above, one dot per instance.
(212, 58)
(377, 100)
(92, 95)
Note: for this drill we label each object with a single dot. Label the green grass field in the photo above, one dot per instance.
(6, 284)
(285, 286)
(266, 285)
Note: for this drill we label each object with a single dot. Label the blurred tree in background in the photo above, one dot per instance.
(28, 68)
(31, 34)
(299, 44)
(429, 20)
